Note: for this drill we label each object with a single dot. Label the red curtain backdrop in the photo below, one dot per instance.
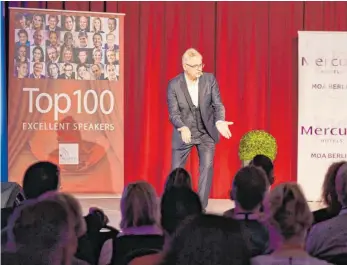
(252, 49)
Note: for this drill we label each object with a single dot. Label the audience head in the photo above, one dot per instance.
(266, 164)
(139, 205)
(329, 194)
(40, 178)
(176, 204)
(208, 240)
(288, 211)
(341, 184)
(73, 207)
(178, 177)
(42, 229)
(249, 187)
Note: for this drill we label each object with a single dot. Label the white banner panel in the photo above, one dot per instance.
(322, 125)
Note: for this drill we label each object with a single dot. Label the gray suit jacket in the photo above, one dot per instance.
(181, 106)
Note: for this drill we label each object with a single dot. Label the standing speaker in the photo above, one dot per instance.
(11, 194)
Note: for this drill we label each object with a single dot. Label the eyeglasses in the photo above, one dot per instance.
(197, 66)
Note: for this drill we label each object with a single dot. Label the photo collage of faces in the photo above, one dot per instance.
(66, 47)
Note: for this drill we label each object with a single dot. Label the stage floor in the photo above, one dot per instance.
(111, 206)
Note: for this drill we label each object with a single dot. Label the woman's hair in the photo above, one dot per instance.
(97, 50)
(74, 209)
(73, 21)
(341, 184)
(42, 53)
(177, 204)
(42, 229)
(329, 194)
(42, 18)
(94, 19)
(139, 205)
(179, 177)
(288, 210)
(67, 35)
(39, 225)
(65, 49)
(207, 240)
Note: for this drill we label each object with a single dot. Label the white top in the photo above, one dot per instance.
(193, 88)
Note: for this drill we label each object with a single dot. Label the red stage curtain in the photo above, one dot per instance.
(252, 49)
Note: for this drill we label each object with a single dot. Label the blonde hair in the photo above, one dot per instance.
(73, 207)
(289, 211)
(39, 224)
(191, 52)
(139, 205)
(93, 23)
(341, 184)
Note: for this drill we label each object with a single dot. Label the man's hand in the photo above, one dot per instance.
(223, 128)
(185, 134)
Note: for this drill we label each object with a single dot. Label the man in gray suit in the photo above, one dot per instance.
(198, 116)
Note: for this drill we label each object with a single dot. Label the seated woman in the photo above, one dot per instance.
(41, 232)
(84, 252)
(290, 218)
(140, 229)
(328, 240)
(177, 204)
(329, 196)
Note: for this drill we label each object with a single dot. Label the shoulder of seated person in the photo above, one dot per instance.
(316, 228)
(152, 259)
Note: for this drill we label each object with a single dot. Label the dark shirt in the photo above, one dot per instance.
(125, 246)
(254, 232)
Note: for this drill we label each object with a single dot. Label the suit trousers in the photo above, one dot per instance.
(206, 149)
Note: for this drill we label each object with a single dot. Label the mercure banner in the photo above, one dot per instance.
(322, 124)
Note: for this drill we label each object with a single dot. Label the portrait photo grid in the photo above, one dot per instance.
(66, 47)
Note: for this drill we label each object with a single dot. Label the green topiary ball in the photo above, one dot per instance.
(257, 142)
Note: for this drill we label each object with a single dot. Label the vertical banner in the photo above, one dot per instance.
(322, 126)
(66, 97)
